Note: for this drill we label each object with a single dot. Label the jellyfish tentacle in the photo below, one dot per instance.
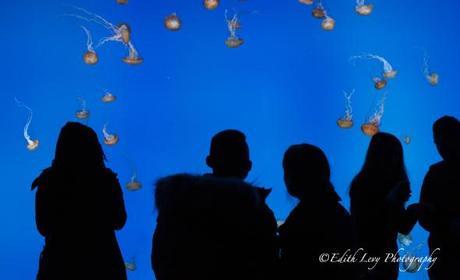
(348, 105)
(92, 17)
(89, 39)
(28, 121)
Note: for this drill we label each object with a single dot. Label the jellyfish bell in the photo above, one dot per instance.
(380, 83)
(172, 22)
(233, 42)
(391, 74)
(318, 12)
(133, 60)
(344, 123)
(82, 114)
(405, 239)
(108, 97)
(111, 139)
(306, 2)
(411, 263)
(134, 185)
(90, 57)
(211, 4)
(32, 145)
(328, 24)
(364, 10)
(433, 79)
(370, 128)
(125, 32)
(122, 2)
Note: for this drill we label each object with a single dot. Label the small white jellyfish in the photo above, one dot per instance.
(82, 113)
(131, 265)
(108, 97)
(405, 240)
(90, 57)
(347, 120)
(32, 145)
(372, 125)
(233, 24)
(431, 77)
(109, 139)
(133, 184)
(172, 22)
(362, 8)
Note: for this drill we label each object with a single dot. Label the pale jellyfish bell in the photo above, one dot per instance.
(347, 120)
(172, 22)
(133, 184)
(82, 113)
(362, 8)
(108, 97)
(109, 139)
(90, 57)
(306, 2)
(122, 2)
(32, 144)
(233, 24)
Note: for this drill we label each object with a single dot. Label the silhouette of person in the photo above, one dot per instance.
(214, 226)
(319, 224)
(78, 206)
(378, 196)
(440, 197)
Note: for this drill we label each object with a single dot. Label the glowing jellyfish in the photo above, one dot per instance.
(122, 2)
(109, 139)
(405, 240)
(133, 184)
(372, 125)
(108, 97)
(32, 145)
(211, 4)
(131, 265)
(431, 77)
(82, 113)
(119, 33)
(306, 2)
(233, 24)
(347, 120)
(172, 22)
(362, 8)
(90, 57)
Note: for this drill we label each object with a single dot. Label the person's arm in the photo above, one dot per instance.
(117, 213)
(427, 201)
(42, 213)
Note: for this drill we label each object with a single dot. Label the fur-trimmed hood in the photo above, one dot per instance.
(186, 192)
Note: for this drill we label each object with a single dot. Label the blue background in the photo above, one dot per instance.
(283, 86)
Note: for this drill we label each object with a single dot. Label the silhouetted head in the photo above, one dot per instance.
(446, 132)
(229, 155)
(78, 148)
(385, 160)
(306, 170)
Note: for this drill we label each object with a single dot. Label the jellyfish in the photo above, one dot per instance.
(388, 71)
(133, 184)
(83, 113)
(411, 263)
(211, 4)
(119, 33)
(372, 125)
(90, 56)
(328, 23)
(347, 120)
(363, 9)
(233, 24)
(431, 77)
(405, 239)
(380, 83)
(122, 2)
(131, 265)
(109, 139)
(306, 2)
(108, 97)
(32, 145)
(407, 139)
(319, 11)
(172, 22)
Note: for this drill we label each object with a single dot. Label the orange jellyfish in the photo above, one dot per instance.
(172, 22)
(109, 139)
(32, 145)
(211, 4)
(82, 113)
(90, 57)
(233, 24)
(306, 2)
(431, 77)
(122, 2)
(319, 11)
(133, 57)
(362, 8)
(133, 184)
(388, 71)
(328, 23)
(380, 83)
(108, 97)
(372, 125)
(347, 120)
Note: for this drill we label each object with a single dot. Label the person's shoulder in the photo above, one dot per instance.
(437, 168)
(43, 179)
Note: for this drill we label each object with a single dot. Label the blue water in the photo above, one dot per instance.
(283, 86)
